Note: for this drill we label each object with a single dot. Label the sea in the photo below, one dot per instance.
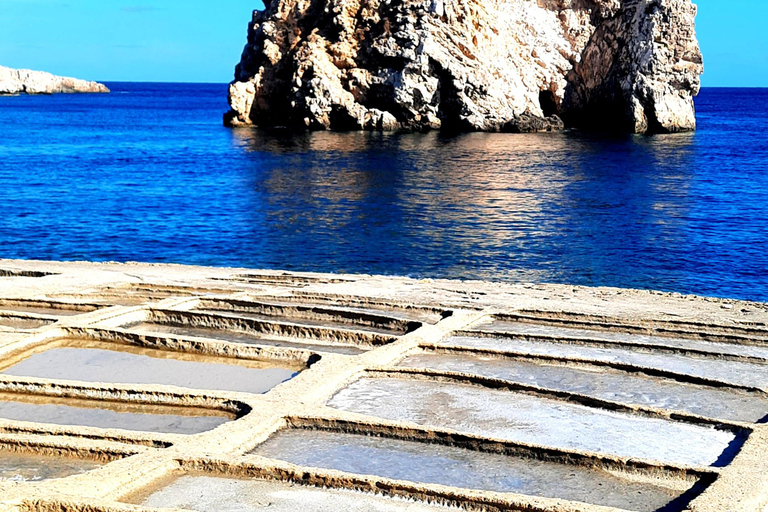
(149, 173)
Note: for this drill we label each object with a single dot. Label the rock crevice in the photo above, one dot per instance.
(469, 65)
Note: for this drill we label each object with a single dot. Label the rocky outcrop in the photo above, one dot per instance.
(491, 65)
(24, 81)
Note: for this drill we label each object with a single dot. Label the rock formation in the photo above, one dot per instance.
(511, 65)
(24, 81)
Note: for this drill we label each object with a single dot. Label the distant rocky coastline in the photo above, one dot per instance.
(491, 65)
(25, 81)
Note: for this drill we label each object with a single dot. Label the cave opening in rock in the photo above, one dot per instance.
(548, 103)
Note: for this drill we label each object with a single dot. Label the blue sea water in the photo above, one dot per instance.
(148, 173)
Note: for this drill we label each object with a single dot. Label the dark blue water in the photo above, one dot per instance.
(148, 173)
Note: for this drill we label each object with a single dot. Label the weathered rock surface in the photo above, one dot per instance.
(25, 81)
(492, 65)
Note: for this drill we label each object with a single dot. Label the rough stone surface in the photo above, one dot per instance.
(307, 313)
(25, 81)
(490, 65)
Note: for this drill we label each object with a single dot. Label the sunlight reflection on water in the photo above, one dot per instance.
(151, 175)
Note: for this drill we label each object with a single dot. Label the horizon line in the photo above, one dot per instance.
(227, 83)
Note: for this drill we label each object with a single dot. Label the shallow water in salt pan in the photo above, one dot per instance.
(22, 323)
(739, 373)
(586, 334)
(172, 420)
(18, 467)
(605, 384)
(518, 417)
(247, 339)
(458, 467)
(94, 362)
(215, 494)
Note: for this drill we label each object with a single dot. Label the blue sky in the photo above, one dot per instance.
(201, 40)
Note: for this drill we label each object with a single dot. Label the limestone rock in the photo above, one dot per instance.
(24, 81)
(640, 70)
(465, 65)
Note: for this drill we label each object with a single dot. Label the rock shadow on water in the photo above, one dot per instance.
(452, 201)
